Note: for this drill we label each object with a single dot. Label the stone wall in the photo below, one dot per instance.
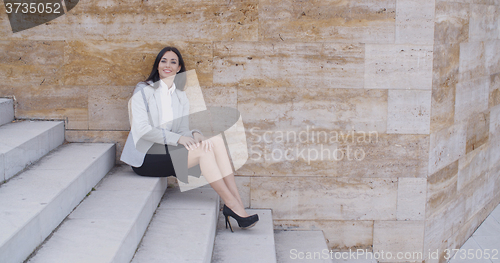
(464, 154)
(374, 121)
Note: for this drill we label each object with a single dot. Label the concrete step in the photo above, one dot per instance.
(255, 244)
(36, 201)
(24, 142)
(182, 229)
(6, 111)
(109, 224)
(301, 246)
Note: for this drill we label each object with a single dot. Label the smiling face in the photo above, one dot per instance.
(169, 65)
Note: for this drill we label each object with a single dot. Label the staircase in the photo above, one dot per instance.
(43, 180)
(70, 203)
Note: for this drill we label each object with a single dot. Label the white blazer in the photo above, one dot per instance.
(143, 133)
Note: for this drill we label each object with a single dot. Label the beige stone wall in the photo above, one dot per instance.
(400, 96)
(464, 159)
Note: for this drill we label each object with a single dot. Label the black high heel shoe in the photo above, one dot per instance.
(243, 222)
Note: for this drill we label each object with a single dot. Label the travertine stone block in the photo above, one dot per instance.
(478, 126)
(441, 189)
(5, 28)
(409, 111)
(333, 199)
(269, 153)
(334, 109)
(108, 107)
(471, 98)
(390, 156)
(288, 64)
(472, 166)
(335, 153)
(484, 22)
(86, 21)
(441, 225)
(445, 79)
(415, 22)
(186, 20)
(68, 103)
(7, 91)
(221, 96)
(494, 124)
(479, 191)
(472, 60)
(451, 22)
(4, 11)
(494, 97)
(103, 63)
(495, 174)
(398, 67)
(387, 237)
(340, 235)
(479, 2)
(492, 54)
(494, 139)
(446, 146)
(307, 152)
(117, 137)
(411, 198)
(27, 62)
(106, 63)
(265, 108)
(336, 21)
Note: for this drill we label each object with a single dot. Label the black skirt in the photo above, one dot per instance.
(166, 160)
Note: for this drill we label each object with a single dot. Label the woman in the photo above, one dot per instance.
(160, 132)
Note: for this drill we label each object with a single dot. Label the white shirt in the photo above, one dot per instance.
(165, 108)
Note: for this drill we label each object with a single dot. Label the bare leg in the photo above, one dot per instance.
(212, 173)
(225, 166)
(231, 185)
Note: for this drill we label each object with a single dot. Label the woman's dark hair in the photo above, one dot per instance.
(180, 79)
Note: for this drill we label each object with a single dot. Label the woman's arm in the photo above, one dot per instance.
(141, 127)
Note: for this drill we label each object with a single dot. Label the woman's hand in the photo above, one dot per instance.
(206, 144)
(188, 142)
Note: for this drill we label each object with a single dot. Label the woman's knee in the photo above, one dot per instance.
(203, 154)
(217, 141)
(199, 152)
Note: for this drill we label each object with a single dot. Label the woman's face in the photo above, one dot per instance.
(169, 65)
